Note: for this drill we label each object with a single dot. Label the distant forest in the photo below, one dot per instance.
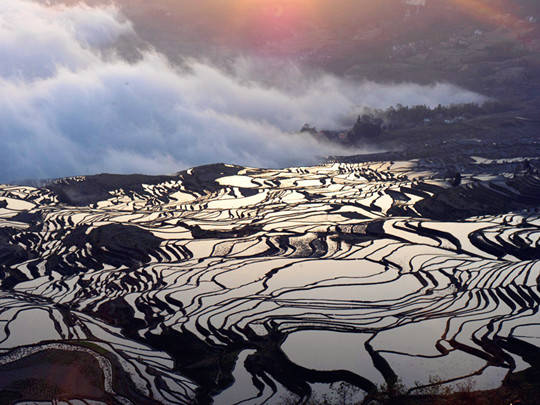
(401, 115)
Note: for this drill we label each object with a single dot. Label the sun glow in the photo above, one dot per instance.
(265, 13)
(264, 22)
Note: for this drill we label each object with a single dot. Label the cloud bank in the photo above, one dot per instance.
(70, 105)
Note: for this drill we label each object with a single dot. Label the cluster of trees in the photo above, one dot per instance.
(373, 122)
(400, 115)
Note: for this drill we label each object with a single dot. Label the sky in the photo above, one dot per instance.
(71, 104)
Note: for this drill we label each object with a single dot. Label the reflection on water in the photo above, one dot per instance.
(240, 285)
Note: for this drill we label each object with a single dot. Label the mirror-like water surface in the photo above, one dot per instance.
(229, 284)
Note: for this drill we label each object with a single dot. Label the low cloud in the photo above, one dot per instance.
(69, 105)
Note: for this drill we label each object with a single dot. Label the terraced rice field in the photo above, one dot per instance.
(231, 284)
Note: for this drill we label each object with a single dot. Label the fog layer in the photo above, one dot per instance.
(70, 105)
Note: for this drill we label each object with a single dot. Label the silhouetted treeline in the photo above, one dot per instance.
(372, 124)
(400, 115)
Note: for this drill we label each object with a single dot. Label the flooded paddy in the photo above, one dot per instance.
(230, 285)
